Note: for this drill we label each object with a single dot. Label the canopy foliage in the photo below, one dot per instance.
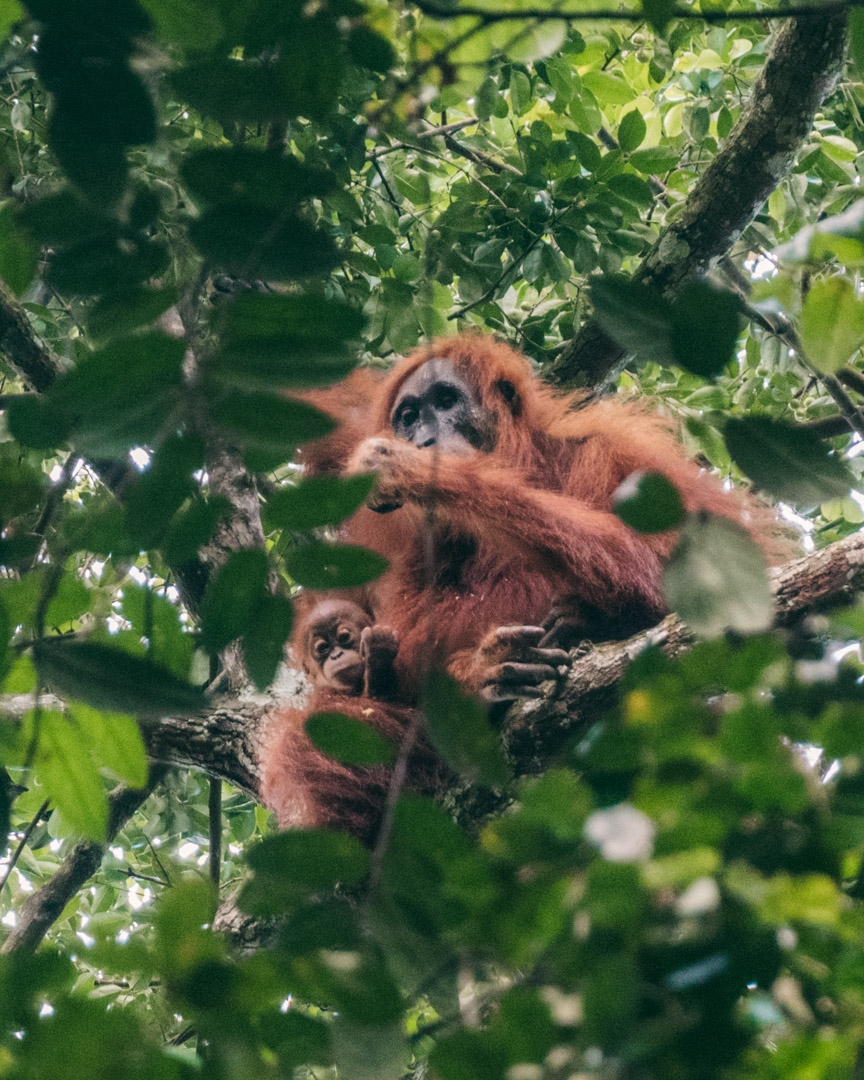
(206, 203)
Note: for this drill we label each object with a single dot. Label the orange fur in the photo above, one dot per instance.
(510, 530)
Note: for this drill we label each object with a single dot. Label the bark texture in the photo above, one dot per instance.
(535, 730)
(224, 741)
(801, 70)
(32, 359)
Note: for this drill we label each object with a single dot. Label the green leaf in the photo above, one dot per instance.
(244, 238)
(317, 501)
(269, 421)
(102, 265)
(65, 768)
(716, 579)
(34, 422)
(520, 91)
(264, 640)
(461, 733)
(840, 234)
(348, 740)
(232, 89)
(10, 13)
(113, 680)
(257, 92)
(153, 498)
(654, 159)
(790, 461)
(648, 502)
(219, 173)
(636, 316)
(119, 313)
(370, 49)
(469, 1055)
(233, 597)
(705, 326)
(316, 565)
(658, 13)
(308, 319)
(725, 123)
(832, 323)
(588, 151)
(6, 629)
(633, 188)
(192, 528)
(17, 253)
(414, 185)
(195, 25)
(115, 740)
(69, 602)
(856, 39)
(608, 89)
(311, 860)
(182, 938)
(21, 489)
(632, 130)
(120, 396)
(698, 331)
(98, 170)
(65, 218)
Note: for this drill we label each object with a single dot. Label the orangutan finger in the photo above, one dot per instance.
(529, 674)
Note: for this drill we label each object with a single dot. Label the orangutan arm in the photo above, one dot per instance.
(586, 551)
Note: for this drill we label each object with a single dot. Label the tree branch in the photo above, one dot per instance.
(802, 68)
(506, 14)
(535, 730)
(20, 347)
(42, 909)
(224, 742)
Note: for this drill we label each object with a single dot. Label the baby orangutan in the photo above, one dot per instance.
(351, 663)
(343, 651)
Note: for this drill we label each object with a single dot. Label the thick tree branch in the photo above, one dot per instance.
(223, 742)
(20, 347)
(535, 730)
(801, 70)
(509, 14)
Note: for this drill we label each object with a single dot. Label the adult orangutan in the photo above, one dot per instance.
(494, 499)
(350, 663)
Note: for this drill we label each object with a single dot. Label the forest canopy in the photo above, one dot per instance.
(656, 870)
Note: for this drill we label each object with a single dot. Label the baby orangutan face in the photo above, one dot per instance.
(332, 646)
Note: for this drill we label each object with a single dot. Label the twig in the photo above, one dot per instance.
(215, 808)
(829, 427)
(391, 196)
(427, 133)
(781, 328)
(145, 877)
(851, 378)
(479, 158)
(46, 905)
(157, 860)
(22, 843)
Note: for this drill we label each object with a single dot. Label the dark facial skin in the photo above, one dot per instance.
(333, 646)
(437, 407)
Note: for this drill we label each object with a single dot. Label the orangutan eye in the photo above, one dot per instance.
(407, 416)
(344, 638)
(320, 648)
(446, 398)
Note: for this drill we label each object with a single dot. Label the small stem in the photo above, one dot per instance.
(22, 843)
